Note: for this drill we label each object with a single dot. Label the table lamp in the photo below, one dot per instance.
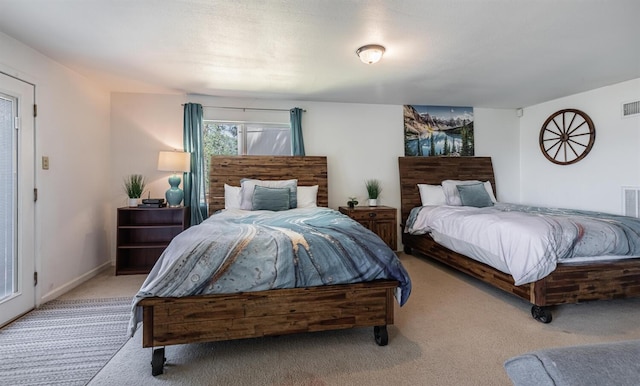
(174, 161)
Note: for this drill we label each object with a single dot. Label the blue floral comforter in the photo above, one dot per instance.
(242, 251)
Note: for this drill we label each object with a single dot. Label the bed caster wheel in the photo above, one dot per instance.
(541, 314)
(157, 361)
(381, 335)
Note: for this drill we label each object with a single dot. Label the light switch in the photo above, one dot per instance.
(45, 162)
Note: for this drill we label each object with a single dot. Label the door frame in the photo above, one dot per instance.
(26, 184)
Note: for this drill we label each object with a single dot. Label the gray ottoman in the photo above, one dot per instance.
(598, 364)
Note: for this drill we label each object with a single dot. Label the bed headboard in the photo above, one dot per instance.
(224, 169)
(434, 170)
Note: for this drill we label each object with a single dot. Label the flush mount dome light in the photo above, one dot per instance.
(371, 53)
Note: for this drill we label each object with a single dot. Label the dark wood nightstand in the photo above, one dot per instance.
(382, 220)
(143, 234)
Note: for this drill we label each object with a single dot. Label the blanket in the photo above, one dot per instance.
(527, 242)
(243, 251)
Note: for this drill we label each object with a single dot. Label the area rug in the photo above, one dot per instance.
(63, 342)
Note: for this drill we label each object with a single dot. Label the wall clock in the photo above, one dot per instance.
(567, 136)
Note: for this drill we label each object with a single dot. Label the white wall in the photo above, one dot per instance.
(496, 134)
(595, 182)
(72, 128)
(364, 141)
(361, 141)
(141, 126)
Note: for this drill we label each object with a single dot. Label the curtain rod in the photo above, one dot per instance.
(246, 108)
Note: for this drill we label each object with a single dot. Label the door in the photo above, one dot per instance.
(17, 175)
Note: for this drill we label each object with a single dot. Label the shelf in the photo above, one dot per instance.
(133, 271)
(144, 245)
(143, 234)
(148, 226)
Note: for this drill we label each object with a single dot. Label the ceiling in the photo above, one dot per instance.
(490, 53)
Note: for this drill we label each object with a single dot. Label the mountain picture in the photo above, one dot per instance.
(438, 131)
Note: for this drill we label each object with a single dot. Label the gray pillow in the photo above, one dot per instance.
(274, 199)
(247, 188)
(474, 195)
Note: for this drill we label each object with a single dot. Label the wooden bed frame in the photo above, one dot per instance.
(207, 318)
(568, 283)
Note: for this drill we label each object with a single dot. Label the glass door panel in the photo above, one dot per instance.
(8, 255)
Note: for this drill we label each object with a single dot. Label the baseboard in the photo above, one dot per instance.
(74, 283)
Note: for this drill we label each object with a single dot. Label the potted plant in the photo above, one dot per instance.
(134, 186)
(373, 191)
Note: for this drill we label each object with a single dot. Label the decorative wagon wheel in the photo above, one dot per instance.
(567, 136)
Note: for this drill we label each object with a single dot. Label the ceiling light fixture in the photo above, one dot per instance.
(371, 53)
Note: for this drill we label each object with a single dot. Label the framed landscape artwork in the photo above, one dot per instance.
(438, 131)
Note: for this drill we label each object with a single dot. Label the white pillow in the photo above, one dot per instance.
(432, 195)
(307, 196)
(231, 197)
(248, 185)
(452, 195)
(487, 186)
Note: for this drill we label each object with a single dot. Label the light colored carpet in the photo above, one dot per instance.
(64, 342)
(452, 331)
(106, 285)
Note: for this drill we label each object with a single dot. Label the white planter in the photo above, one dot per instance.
(373, 202)
(133, 202)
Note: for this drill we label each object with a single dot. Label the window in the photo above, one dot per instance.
(8, 143)
(251, 138)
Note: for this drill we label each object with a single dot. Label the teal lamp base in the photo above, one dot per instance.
(174, 195)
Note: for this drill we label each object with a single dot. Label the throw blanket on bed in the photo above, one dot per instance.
(523, 241)
(240, 251)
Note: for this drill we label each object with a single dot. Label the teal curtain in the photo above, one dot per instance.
(297, 143)
(194, 181)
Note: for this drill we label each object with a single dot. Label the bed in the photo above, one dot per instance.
(170, 320)
(569, 282)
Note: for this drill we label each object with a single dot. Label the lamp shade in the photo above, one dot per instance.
(174, 161)
(371, 53)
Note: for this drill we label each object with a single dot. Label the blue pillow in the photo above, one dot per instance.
(474, 195)
(274, 199)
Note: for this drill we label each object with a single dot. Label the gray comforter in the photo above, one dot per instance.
(524, 241)
(239, 251)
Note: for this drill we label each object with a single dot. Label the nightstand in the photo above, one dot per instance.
(143, 234)
(381, 220)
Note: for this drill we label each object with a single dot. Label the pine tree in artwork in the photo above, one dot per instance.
(432, 148)
(466, 141)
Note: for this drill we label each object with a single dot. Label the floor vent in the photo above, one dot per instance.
(631, 201)
(630, 109)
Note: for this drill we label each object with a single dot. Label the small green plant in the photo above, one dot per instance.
(373, 188)
(134, 185)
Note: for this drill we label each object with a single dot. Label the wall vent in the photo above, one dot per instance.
(630, 109)
(631, 201)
